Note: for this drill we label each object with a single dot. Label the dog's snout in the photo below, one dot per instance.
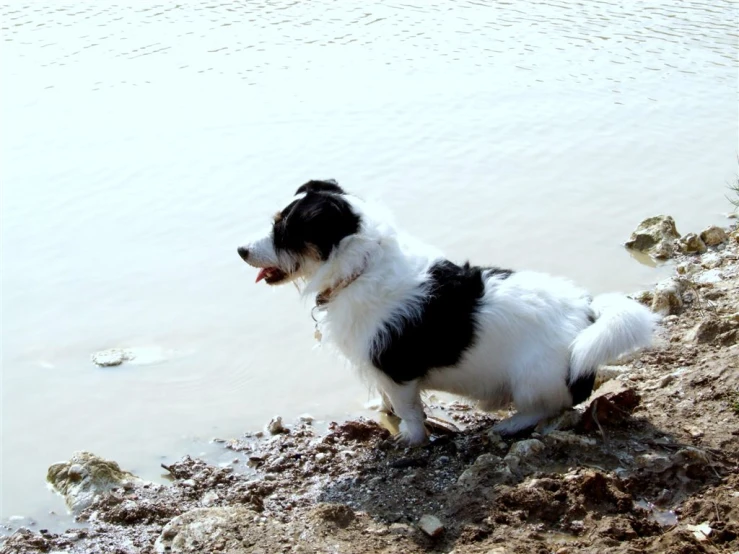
(243, 252)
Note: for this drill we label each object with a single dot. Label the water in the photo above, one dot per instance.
(141, 145)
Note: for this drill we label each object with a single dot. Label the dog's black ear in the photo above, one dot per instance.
(323, 185)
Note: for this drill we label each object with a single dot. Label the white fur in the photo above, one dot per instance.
(532, 328)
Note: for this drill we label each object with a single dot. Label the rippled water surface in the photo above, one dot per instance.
(141, 145)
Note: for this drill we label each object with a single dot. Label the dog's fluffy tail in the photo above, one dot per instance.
(621, 326)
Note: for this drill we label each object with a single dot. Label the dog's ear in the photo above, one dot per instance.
(323, 185)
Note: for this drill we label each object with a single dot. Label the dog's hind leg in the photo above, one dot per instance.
(405, 400)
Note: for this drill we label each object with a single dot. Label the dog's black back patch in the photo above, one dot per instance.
(321, 185)
(317, 222)
(442, 332)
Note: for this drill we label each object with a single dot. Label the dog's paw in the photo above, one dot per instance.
(411, 435)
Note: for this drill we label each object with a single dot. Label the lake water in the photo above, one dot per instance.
(141, 145)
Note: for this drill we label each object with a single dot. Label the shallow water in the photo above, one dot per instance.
(141, 145)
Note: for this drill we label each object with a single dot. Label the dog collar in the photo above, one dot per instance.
(329, 293)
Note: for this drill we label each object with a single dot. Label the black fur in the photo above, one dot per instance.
(444, 330)
(321, 185)
(319, 222)
(581, 388)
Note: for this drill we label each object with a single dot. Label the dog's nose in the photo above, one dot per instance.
(243, 252)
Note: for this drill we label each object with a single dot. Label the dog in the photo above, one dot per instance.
(411, 321)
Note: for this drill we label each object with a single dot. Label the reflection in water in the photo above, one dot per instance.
(141, 144)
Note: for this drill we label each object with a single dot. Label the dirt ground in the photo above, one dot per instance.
(649, 464)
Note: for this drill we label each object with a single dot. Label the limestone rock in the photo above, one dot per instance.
(85, 477)
(667, 297)
(713, 235)
(656, 236)
(692, 244)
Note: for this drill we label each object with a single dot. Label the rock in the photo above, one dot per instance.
(206, 530)
(431, 525)
(611, 404)
(339, 515)
(561, 438)
(688, 268)
(112, 357)
(526, 449)
(667, 297)
(643, 297)
(656, 236)
(564, 421)
(209, 498)
(488, 470)
(713, 235)
(692, 244)
(307, 419)
(653, 462)
(711, 260)
(606, 373)
(85, 477)
(709, 277)
(701, 532)
(705, 331)
(275, 426)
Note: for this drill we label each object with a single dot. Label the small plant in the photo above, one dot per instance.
(734, 195)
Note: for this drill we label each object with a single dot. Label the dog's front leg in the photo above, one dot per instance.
(405, 400)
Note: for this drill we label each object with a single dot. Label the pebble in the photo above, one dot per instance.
(307, 419)
(431, 525)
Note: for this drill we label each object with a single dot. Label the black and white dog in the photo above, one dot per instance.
(411, 320)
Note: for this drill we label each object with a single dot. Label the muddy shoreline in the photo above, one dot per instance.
(650, 463)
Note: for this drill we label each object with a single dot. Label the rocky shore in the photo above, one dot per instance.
(650, 463)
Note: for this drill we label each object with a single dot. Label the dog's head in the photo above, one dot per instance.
(304, 234)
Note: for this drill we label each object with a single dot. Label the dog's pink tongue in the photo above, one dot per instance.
(261, 275)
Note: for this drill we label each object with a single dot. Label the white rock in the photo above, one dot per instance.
(710, 276)
(111, 357)
(431, 525)
(711, 260)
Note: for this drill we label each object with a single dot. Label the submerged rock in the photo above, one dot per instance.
(85, 477)
(111, 357)
(656, 236)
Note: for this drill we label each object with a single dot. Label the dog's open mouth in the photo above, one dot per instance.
(271, 275)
